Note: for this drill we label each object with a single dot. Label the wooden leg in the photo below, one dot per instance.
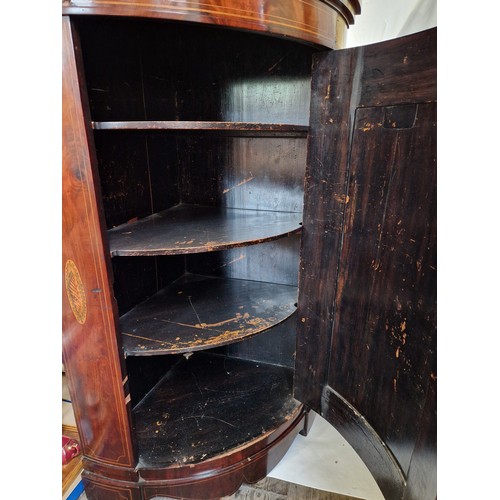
(308, 421)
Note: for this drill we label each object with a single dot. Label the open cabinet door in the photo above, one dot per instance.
(366, 349)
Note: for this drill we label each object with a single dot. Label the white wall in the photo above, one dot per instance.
(386, 19)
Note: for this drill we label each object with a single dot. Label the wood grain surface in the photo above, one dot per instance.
(312, 21)
(89, 311)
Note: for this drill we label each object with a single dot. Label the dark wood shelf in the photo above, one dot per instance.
(199, 312)
(230, 128)
(207, 405)
(186, 229)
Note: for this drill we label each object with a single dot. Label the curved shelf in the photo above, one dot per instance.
(207, 405)
(199, 312)
(228, 128)
(187, 229)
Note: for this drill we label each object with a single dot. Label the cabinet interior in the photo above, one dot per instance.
(200, 135)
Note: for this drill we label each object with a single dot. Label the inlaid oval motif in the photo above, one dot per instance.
(75, 291)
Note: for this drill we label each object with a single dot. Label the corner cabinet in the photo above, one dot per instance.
(249, 233)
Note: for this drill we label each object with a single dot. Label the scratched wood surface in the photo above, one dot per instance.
(371, 204)
(206, 405)
(228, 128)
(199, 312)
(386, 294)
(186, 229)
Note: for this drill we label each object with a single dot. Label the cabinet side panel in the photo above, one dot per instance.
(90, 347)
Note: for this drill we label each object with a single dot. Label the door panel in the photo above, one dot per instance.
(99, 395)
(367, 306)
(385, 300)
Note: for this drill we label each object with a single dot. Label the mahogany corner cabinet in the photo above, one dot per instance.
(249, 234)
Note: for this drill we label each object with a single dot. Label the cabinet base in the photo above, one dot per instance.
(210, 479)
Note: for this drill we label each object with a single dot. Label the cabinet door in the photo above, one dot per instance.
(366, 348)
(99, 395)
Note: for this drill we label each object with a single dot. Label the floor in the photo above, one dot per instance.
(321, 466)
(324, 460)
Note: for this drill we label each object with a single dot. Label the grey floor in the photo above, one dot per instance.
(275, 489)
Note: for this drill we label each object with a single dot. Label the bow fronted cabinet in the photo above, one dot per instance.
(249, 234)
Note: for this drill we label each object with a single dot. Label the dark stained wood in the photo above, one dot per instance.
(276, 346)
(207, 405)
(199, 312)
(231, 128)
(386, 292)
(367, 282)
(214, 478)
(145, 372)
(137, 278)
(186, 229)
(324, 204)
(281, 258)
(89, 310)
(138, 173)
(223, 475)
(241, 172)
(312, 21)
(399, 85)
(180, 72)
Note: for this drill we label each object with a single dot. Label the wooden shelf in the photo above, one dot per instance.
(199, 312)
(230, 128)
(186, 229)
(207, 405)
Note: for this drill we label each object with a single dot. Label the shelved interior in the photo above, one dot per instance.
(212, 402)
(200, 135)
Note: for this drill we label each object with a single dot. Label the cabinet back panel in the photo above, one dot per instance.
(237, 172)
(138, 278)
(138, 173)
(154, 70)
(145, 373)
(276, 346)
(273, 262)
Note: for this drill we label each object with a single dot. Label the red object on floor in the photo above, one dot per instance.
(70, 449)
